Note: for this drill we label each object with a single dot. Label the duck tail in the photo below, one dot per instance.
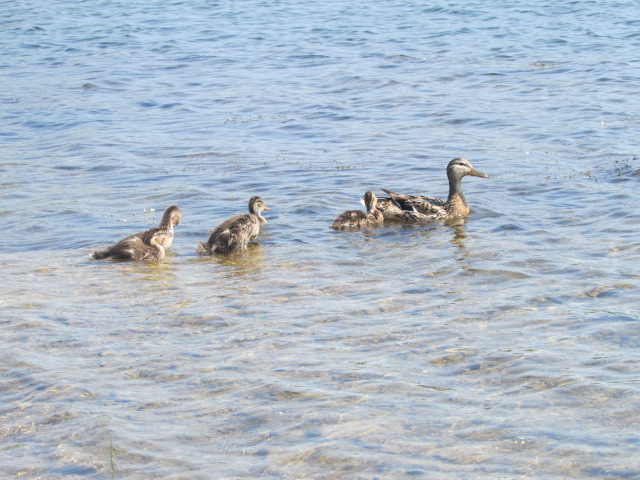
(98, 255)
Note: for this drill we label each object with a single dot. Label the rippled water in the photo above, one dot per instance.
(506, 347)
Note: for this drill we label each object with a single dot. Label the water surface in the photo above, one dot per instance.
(503, 347)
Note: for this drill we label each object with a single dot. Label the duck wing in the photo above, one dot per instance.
(235, 233)
(388, 207)
(130, 248)
(412, 216)
(418, 203)
(166, 241)
(350, 219)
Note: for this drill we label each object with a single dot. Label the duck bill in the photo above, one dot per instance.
(266, 208)
(477, 173)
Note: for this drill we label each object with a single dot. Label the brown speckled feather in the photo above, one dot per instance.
(355, 219)
(236, 232)
(170, 218)
(147, 246)
(417, 208)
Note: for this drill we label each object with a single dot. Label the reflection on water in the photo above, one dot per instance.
(459, 236)
(237, 263)
(148, 276)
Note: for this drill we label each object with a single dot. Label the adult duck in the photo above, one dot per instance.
(422, 208)
(147, 246)
(355, 219)
(236, 232)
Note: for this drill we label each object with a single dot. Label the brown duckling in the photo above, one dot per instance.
(147, 246)
(170, 218)
(421, 208)
(236, 232)
(354, 219)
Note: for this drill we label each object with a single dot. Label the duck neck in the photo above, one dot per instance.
(165, 223)
(455, 190)
(170, 219)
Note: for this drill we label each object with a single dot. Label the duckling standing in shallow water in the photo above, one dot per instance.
(147, 246)
(414, 208)
(236, 232)
(353, 219)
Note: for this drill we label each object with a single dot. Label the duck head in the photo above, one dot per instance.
(370, 201)
(171, 217)
(460, 167)
(256, 206)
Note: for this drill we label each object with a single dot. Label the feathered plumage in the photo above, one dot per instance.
(236, 232)
(147, 246)
(414, 208)
(353, 219)
(170, 218)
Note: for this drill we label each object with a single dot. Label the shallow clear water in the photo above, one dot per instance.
(506, 347)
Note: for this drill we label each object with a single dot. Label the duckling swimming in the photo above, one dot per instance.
(353, 219)
(421, 208)
(170, 218)
(236, 232)
(148, 247)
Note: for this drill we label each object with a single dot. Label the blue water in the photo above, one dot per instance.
(505, 347)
